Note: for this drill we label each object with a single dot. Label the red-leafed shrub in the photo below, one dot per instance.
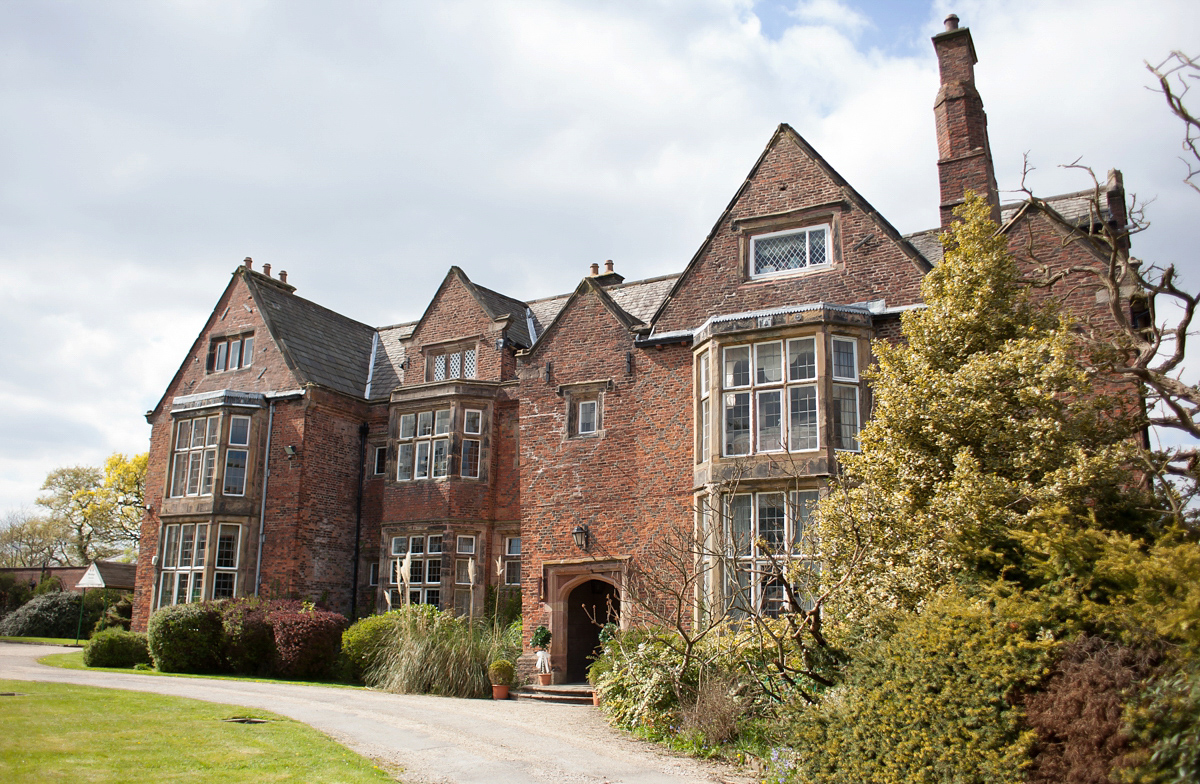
(307, 641)
(249, 639)
(1079, 716)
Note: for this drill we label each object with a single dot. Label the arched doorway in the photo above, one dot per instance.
(589, 606)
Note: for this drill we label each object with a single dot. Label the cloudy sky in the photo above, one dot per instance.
(364, 147)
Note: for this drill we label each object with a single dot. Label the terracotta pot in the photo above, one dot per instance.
(499, 691)
(545, 678)
(596, 698)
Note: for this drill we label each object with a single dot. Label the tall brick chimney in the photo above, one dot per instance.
(964, 155)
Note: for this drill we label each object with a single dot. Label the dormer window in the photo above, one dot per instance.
(455, 363)
(781, 252)
(230, 353)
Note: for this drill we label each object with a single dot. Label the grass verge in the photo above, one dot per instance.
(74, 661)
(68, 641)
(67, 733)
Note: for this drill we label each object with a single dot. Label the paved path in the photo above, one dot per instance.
(434, 739)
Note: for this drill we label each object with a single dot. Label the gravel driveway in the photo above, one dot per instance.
(434, 739)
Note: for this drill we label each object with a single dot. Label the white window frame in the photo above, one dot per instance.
(171, 562)
(462, 540)
(762, 566)
(756, 393)
(465, 467)
(838, 440)
(807, 231)
(512, 557)
(230, 571)
(594, 421)
(202, 456)
(468, 415)
(853, 343)
(380, 457)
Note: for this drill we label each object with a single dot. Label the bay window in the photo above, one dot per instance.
(769, 394)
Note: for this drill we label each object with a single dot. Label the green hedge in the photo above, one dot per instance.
(187, 638)
(116, 648)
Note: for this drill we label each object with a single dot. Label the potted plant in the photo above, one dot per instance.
(501, 675)
(541, 641)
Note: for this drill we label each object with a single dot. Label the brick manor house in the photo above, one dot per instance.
(538, 446)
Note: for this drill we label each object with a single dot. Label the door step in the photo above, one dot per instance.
(561, 694)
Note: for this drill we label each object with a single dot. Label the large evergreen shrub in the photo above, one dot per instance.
(116, 648)
(187, 638)
(54, 614)
(934, 699)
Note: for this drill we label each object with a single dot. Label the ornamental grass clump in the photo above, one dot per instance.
(428, 651)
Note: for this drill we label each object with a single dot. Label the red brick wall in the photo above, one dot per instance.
(236, 313)
(789, 180)
(627, 483)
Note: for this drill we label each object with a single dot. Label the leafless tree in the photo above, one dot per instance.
(1148, 314)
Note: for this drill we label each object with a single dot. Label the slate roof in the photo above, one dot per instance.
(326, 348)
(389, 356)
(1075, 208)
(500, 304)
(322, 347)
(639, 298)
(116, 575)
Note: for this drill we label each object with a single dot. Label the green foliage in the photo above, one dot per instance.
(116, 648)
(116, 616)
(1166, 722)
(541, 637)
(428, 651)
(933, 700)
(54, 614)
(13, 593)
(48, 584)
(502, 606)
(363, 642)
(982, 419)
(186, 638)
(501, 672)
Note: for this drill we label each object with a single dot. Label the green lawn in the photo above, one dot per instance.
(44, 640)
(63, 733)
(74, 661)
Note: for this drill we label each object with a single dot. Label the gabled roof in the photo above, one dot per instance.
(639, 299)
(493, 303)
(1073, 210)
(590, 286)
(785, 131)
(320, 346)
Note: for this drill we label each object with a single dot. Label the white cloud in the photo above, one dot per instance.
(367, 147)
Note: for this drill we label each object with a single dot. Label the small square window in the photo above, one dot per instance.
(441, 458)
(465, 545)
(399, 545)
(472, 421)
(380, 460)
(441, 422)
(416, 545)
(462, 571)
(512, 545)
(407, 425)
(424, 424)
(435, 545)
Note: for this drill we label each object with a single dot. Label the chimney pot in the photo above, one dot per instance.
(283, 276)
(608, 267)
(951, 22)
(267, 270)
(595, 269)
(248, 263)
